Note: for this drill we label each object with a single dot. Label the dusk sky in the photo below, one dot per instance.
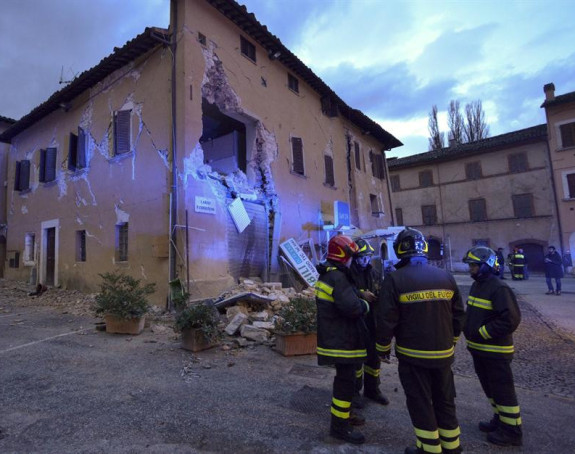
(390, 59)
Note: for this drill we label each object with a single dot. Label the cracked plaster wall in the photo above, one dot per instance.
(109, 190)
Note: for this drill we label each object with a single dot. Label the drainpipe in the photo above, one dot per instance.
(388, 184)
(555, 197)
(174, 188)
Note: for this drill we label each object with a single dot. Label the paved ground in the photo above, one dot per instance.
(67, 388)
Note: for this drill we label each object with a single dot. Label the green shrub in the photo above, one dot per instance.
(122, 295)
(201, 316)
(298, 316)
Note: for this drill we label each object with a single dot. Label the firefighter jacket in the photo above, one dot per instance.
(492, 316)
(421, 306)
(341, 330)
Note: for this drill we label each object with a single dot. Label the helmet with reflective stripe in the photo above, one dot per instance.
(340, 248)
(364, 248)
(480, 255)
(410, 243)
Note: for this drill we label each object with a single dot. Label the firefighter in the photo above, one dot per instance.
(492, 317)
(368, 281)
(420, 305)
(518, 260)
(341, 333)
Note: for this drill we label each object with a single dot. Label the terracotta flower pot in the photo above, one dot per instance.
(296, 344)
(193, 339)
(117, 325)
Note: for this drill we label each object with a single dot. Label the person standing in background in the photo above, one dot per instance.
(553, 270)
(501, 261)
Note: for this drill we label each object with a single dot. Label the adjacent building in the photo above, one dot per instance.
(496, 192)
(190, 153)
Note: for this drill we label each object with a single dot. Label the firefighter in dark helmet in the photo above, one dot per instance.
(420, 305)
(368, 281)
(492, 316)
(341, 333)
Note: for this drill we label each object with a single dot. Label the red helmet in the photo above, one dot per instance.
(340, 248)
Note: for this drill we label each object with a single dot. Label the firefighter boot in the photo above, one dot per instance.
(342, 430)
(355, 419)
(489, 426)
(376, 396)
(506, 435)
(414, 450)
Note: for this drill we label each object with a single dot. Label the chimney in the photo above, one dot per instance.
(453, 142)
(549, 90)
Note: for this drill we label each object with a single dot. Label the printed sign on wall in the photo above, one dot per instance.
(205, 205)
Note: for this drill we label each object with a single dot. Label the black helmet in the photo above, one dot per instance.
(480, 255)
(410, 243)
(364, 248)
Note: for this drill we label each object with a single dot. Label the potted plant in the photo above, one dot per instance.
(198, 324)
(123, 302)
(296, 328)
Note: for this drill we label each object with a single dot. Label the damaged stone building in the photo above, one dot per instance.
(188, 153)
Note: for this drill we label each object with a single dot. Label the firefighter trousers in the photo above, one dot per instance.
(496, 378)
(343, 389)
(430, 398)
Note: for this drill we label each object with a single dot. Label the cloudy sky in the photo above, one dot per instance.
(391, 59)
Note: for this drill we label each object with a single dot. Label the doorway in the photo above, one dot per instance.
(49, 253)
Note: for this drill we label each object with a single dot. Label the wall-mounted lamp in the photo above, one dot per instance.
(274, 54)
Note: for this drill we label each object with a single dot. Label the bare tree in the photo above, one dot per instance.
(475, 127)
(436, 140)
(455, 122)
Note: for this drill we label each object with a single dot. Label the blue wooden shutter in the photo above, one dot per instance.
(42, 175)
(81, 150)
(122, 131)
(72, 151)
(50, 164)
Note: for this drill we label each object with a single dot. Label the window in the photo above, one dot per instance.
(477, 210)
(429, 214)
(122, 242)
(517, 162)
(567, 135)
(473, 170)
(399, 216)
(22, 176)
(248, 49)
(571, 185)
(29, 247)
(202, 39)
(47, 165)
(357, 155)
(425, 179)
(377, 168)
(293, 83)
(14, 259)
(374, 204)
(81, 246)
(122, 131)
(395, 186)
(523, 205)
(329, 177)
(297, 153)
(77, 151)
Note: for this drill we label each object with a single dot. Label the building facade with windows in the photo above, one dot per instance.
(495, 192)
(560, 114)
(5, 123)
(189, 153)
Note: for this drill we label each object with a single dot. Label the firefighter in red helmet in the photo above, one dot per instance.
(341, 333)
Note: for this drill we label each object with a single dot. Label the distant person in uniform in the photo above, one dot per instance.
(553, 270)
(501, 261)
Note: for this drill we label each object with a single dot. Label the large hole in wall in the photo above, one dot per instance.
(223, 140)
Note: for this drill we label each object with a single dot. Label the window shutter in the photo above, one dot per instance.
(380, 170)
(329, 177)
(72, 151)
(297, 149)
(81, 149)
(122, 131)
(571, 185)
(50, 170)
(357, 156)
(42, 175)
(567, 135)
(22, 177)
